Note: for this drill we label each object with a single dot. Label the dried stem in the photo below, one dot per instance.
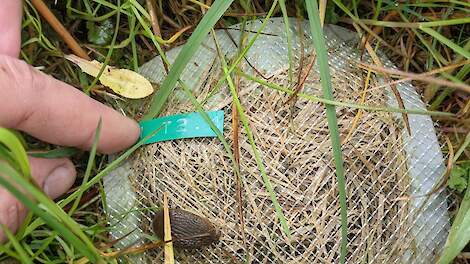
(60, 29)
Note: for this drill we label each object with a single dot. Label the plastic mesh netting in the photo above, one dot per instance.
(388, 171)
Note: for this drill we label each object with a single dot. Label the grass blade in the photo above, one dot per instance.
(314, 98)
(40, 221)
(208, 21)
(322, 55)
(22, 255)
(168, 247)
(282, 4)
(447, 42)
(111, 166)
(89, 167)
(258, 159)
(460, 232)
(45, 215)
(16, 150)
(110, 51)
(64, 152)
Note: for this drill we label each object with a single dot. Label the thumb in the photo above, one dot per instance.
(54, 176)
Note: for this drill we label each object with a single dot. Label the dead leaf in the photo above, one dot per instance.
(124, 82)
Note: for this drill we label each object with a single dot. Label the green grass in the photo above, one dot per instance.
(258, 158)
(325, 78)
(54, 216)
(205, 25)
(52, 235)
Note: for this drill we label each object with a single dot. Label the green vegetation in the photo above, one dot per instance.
(418, 37)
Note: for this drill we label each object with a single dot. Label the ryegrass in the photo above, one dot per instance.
(51, 213)
(314, 98)
(325, 78)
(258, 158)
(22, 255)
(50, 219)
(89, 167)
(110, 51)
(216, 11)
(14, 152)
(439, 43)
(459, 235)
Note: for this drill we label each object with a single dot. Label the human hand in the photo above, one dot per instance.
(52, 111)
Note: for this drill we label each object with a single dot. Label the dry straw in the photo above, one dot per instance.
(294, 142)
(383, 164)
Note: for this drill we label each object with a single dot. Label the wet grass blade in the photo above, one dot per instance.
(314, 98)
(214, 13)
(459, 234)
(258, 159)
(49, 218)
(89, 167)
(15, 151)
(111, 166)
(55, 153)
(447, 42)
(322, 56)
(22, 255)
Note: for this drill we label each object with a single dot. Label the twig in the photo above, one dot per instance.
(60, 29)
(154, 18)
(155, 26)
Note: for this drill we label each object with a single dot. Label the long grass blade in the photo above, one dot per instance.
(110, 51)
(314, 98)
(111, 166)
(22, 255)
(459, 234)
(89, 167)
(322, 55)
(214, 13)
(258, 159)
(47, 217)
(421, 25)
(16, 150)
(447, 42)
(242, 54)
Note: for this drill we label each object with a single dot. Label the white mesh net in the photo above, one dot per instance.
(384, 165)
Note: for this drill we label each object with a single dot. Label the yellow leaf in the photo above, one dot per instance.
(123, 82)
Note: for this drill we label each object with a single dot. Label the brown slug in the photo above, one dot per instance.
(188, 230)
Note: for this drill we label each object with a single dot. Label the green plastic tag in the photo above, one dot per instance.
(191, 125)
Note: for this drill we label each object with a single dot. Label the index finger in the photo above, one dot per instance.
(56, 112)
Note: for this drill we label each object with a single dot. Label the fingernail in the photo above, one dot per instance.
(58, 182)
